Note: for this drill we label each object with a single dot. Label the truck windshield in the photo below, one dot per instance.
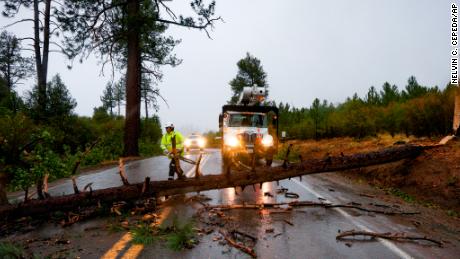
(248, 120)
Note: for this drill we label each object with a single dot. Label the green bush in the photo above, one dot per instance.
(11, 251)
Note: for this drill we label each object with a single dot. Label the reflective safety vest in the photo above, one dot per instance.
(166, 141)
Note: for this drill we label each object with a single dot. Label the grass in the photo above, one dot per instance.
(177, 236)
(114, 227)
(114, 221)
(181, 237)
(143, 234)
(399, 193)
(10, 251)
(452, 213)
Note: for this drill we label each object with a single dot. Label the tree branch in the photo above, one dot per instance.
(168, 10)
(200, 27)
(16, 22)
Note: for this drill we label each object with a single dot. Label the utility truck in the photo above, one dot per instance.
(249, 129)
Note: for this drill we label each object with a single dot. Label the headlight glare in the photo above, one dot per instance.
(201, 142)
(267, 141)
(232, 141)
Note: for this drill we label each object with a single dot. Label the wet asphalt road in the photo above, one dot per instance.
(311, 235)
(314, 229)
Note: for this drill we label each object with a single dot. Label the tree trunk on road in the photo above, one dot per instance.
(210, 182)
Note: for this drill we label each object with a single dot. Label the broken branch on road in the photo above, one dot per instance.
(232, 242)
(308, 204)
(390, 236)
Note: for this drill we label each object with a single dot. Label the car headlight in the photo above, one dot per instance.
(267, 141)
(187, 142)
(232, 141)
(201, 142)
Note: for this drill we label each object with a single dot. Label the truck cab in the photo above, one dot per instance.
(249, 131)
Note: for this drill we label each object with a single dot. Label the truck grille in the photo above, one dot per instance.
(248, 138)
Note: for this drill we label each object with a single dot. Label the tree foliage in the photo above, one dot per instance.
(250, 72)
(13, 66)
(59, 103)
(108, 98)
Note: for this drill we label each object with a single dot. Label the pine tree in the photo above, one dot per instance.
(250, 72)
(108, 98)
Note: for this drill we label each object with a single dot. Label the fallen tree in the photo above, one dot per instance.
(235, 178)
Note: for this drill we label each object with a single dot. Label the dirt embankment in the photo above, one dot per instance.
(432, 178)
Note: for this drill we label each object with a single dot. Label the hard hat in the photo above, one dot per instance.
(169, 125)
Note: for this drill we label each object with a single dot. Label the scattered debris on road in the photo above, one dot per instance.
(327, 205)
(281, 190)
(269, 230)
(366, 195)
(268, 194)
(231, 241)
(292, 195)
(288, 222)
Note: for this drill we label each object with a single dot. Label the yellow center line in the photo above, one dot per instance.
(118, 247)
(135, 249)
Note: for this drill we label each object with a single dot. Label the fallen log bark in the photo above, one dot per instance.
(210, 182)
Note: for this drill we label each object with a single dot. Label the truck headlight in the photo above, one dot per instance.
(232, 141)
(201, 142)
(187, 142)
(267, 141)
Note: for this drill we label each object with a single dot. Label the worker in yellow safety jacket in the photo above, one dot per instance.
(167, 147)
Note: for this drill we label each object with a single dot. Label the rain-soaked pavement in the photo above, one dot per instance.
(301, 233)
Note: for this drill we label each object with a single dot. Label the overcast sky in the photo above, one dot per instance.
(309, 49)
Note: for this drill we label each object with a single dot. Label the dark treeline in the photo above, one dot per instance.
(416, 110)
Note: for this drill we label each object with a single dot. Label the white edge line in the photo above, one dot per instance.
(384, 242)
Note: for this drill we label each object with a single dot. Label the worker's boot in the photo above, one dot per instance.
(172, 170)
(178, 170)
(180, 173)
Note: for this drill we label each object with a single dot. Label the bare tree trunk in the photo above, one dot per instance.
(146, 108)
(40, 194)
(9, 83)
(3, 196)
(133, 94)
(41, 81)
(41, 64)
(46, 40)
